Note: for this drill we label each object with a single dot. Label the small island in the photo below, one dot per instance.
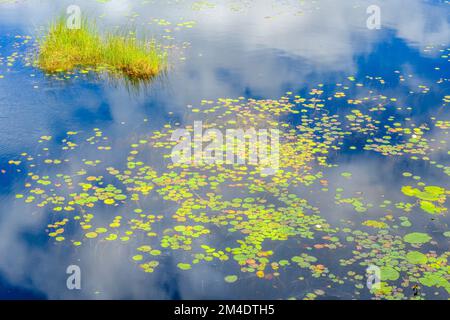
(63, 49)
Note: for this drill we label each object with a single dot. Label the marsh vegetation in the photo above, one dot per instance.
(64, 49)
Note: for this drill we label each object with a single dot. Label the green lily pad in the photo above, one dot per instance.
(138, 257)
(231, 278)
(429, 207)
(416, 257)
(417, 237)
(435, 280)
(389, 273)
(184, 266)
(179, 228)
(346, 174)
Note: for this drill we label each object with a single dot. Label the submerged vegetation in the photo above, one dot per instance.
(64, 49)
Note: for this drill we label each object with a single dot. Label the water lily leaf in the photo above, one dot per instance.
(184, 266)
(416, 257)
(389, 273)
(231, 278)
(91, 235)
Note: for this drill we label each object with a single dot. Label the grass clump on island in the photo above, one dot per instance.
(64, 49)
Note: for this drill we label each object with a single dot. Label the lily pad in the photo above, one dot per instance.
(416, 257)
(417, 237)
(231, 278)
(389, 273)
(184, 266)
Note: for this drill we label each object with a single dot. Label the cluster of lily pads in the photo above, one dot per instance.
(179, 209)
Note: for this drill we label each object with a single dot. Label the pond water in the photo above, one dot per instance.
(87, 179)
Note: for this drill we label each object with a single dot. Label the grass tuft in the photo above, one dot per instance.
(64, 49)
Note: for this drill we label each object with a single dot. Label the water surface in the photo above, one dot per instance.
(369, 120)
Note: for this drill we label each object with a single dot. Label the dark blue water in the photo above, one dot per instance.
(256, 50)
